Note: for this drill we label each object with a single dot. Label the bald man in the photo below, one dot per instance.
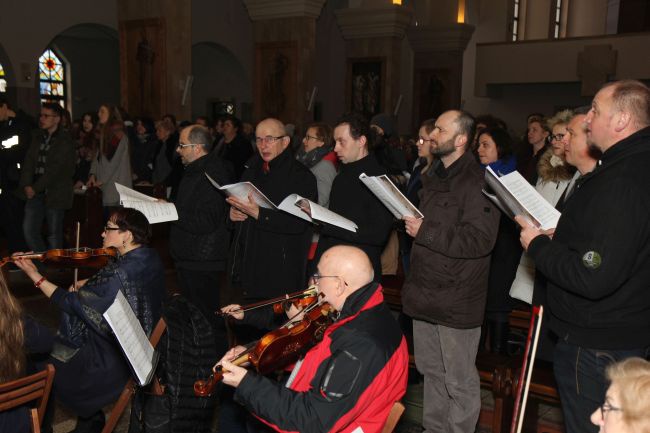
(270, 246)
(350, 380)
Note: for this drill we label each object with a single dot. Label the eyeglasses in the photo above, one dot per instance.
(315, 277)
(606, 407)
(183, 146)
(108, 229)
(311, 137)
(425, 140)
(557, 137)
(268, 139)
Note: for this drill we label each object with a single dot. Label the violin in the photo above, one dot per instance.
(301, 299)
(73, 257)
(278, 348)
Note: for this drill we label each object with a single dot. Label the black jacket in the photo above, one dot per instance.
(270, 253)
(598, 263)
(199, 239)
(351, 199)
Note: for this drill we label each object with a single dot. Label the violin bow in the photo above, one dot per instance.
(523, 386)
(76, 270)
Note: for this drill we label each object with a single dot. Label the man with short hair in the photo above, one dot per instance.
(598, 262)
(577, 152)
(351, 379)
(446, 289)
(270, 246)
(350, 198)
(198, 240)
(46, 179)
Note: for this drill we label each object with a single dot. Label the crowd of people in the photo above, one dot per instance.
(466, 264)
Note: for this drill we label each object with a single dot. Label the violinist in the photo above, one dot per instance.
(91, 370)
(352, 377)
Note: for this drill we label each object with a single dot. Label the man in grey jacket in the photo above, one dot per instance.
(445, 291)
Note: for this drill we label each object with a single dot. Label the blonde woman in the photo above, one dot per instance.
(627, 404)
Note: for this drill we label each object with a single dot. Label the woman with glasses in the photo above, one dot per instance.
(317, 154)
(627, 404)
(414, 185)
(91, 370)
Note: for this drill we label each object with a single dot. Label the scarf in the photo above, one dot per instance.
(314, 156)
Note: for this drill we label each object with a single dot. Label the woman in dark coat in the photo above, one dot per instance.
(91, 370)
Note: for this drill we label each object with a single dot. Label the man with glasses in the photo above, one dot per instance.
(446, 290)
(350, 198)
(199, 239)
(351, 379)
(46, 180)
(270, 246)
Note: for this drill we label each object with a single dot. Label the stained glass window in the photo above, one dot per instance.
(3, 82)
(52, 75)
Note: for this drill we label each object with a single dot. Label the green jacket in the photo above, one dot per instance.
(56, 182)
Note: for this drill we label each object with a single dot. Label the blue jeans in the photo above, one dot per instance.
(580, 376)
(35, 213)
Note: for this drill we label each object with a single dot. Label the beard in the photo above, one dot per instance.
(443, 149)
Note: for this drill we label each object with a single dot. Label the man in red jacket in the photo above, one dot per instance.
(350, 380)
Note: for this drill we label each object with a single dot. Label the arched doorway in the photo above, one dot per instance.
(91, 53)
(219, 80)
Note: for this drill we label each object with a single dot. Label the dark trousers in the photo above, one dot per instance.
(580, 376)
(201, 288)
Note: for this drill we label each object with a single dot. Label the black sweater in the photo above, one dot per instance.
(598, 263)
(351, 199)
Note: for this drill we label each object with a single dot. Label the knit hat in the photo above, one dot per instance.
(385, 122)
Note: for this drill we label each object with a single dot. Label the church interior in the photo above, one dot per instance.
(305, 61)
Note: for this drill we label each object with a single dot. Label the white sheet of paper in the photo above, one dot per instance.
(241, 191)
(390, 196)
(154, 210)
(132, 339)
(292, 204)
(526, 196)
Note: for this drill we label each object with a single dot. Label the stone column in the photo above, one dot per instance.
(373, 33)
(155, 56)
(285, 48)
(587, 18)
(438, 43)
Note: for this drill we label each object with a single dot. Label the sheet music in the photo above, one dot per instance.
(132, 339)
(517, 195)
(154, 210)
(294, 205)
(390, 196)
(241, 191)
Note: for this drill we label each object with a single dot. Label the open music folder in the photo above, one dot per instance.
(515, 196)
(390, 196)
(134, 342)
(155, 211)
(293, 204)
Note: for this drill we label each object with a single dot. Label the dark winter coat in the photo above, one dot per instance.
(450, 258)
(270, 253)
(598, 263)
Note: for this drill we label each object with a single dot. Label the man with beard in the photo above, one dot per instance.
(446, 289)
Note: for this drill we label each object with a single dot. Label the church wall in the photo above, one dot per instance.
(31, 26)
(95, 72)
(222, 64)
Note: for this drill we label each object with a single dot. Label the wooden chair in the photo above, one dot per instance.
(129, 389)
(393, 417)
(35, 387)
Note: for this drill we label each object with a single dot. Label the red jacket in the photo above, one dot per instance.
(350, 380)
